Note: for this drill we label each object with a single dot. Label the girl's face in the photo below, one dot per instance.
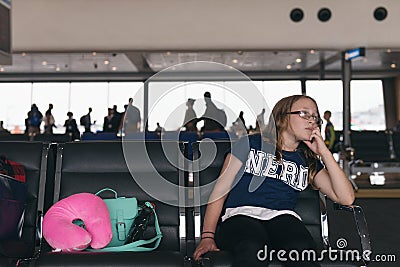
(302, 124)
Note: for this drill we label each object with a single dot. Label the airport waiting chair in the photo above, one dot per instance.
(148, 136)
(98, 136)
(309, 207)
(53, 138)
(182, 136)
(370, 146)
(374, 152)
(219, 135)
(34, 157)
(91, 166)
(13, 137)
(396, 145)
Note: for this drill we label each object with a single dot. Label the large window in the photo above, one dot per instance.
(167, 100)
(57, 94)
(17, 98)
(367, 107)
(329, 96)
(15, 102)
(366, 102)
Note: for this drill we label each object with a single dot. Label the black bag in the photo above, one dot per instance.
(12, 168)
(82, 120)
(221, 117)
(12, 206)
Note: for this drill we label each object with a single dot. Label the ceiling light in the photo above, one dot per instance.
(235, 60)
(44, 63)
(23, 54)
(168, 53)
(94, 53)
(1, 69)
(312, 51)
(298, 60)
(393, 65)
(106, 62)
(288, 66)
(389, 50)
(240, 52)
(114, 68)
(58, 68)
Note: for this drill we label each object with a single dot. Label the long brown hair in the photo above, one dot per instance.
(279, 122)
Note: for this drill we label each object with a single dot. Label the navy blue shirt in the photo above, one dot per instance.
(265, 182)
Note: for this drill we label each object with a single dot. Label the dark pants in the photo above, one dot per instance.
(251, 241)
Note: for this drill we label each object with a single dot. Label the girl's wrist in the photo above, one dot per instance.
(207, 234)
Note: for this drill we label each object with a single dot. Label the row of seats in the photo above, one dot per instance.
(375, 151)
(56, 171)
(378, 146)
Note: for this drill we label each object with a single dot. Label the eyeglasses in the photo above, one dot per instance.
(307, 116)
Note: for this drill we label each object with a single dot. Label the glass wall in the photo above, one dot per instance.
(366, 102)
(329, 96)
(17, 98)
(367, 108)
(167, 100)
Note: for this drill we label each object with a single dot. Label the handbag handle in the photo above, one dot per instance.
(107, 189)
(137, 246)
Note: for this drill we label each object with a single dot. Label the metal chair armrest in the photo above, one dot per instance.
(362, 227)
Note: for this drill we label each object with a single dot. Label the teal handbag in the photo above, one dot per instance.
(123, 211)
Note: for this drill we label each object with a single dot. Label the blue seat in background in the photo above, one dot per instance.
(99, 136)
(222, 135)
(189, 137)
(141, 136)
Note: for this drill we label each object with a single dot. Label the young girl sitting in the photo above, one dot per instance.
(259, 183)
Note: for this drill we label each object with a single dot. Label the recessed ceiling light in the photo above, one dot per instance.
(298, 60)
(168, 53)
(312, 51)
(94, 53)
(58, 68)
(23, 54)
(114, 68)
(1, 69)
(389, 50)
(235, 60)
(106, 62)
(44, 63)
(393, 65)
(288, 66)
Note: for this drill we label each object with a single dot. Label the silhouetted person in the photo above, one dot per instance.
(86, 121)
(34, 120)
(212, 117)
(132, 118)
(329, 131)
(71, 128)
(2, 129)
(110, 122)
(239, 125)
(260, 123)
(190, 120)
(159, 129)
(49, 121)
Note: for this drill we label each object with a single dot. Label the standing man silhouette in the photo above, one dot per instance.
(329, 131)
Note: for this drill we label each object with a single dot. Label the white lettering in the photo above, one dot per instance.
(271, 167)
(254, 163)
